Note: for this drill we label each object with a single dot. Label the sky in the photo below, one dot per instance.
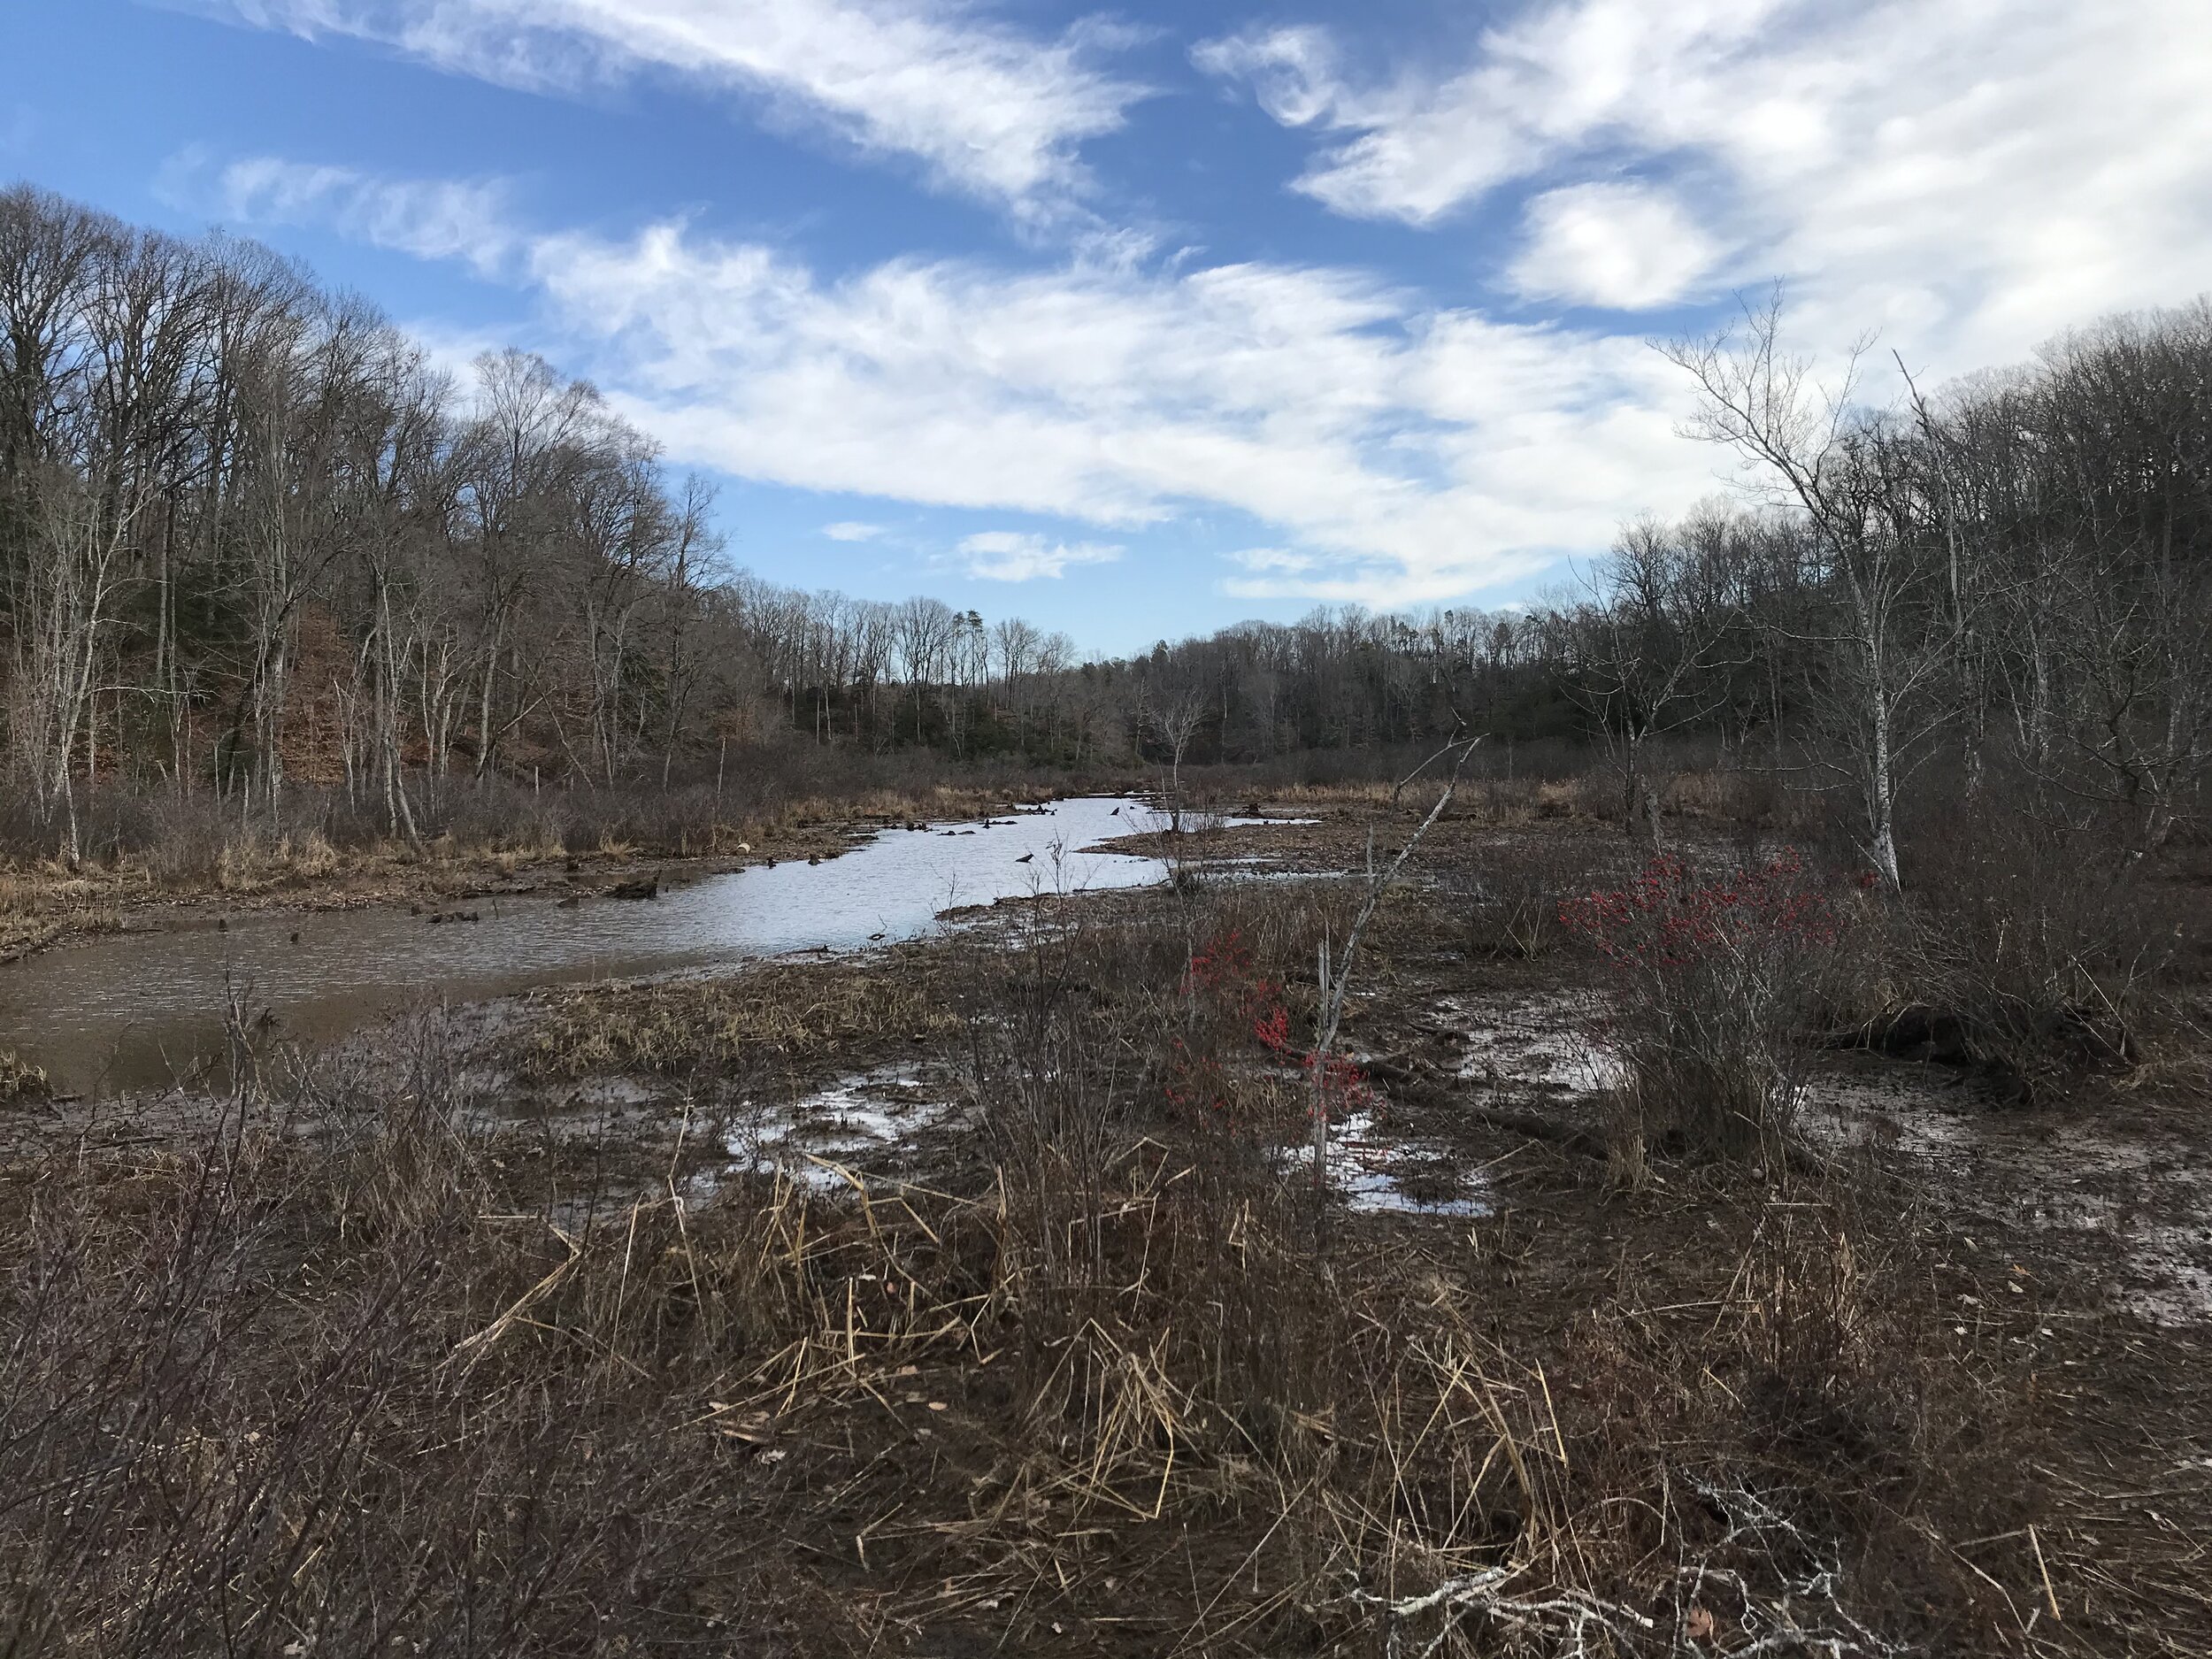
(1138, 322)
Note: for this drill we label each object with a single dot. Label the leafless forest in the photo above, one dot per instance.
(253, 542)
(1737, 1184)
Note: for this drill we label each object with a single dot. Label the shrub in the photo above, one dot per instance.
(1719, 980)
(1511, 901)
(1234, 1018)
(2034, 941)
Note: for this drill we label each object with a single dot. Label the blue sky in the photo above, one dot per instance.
(1136, 322)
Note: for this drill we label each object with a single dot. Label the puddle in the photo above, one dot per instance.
(1512, 1043)
(854, 1122)
(2136, 1209)
(1375, 1171)
(139, 1011)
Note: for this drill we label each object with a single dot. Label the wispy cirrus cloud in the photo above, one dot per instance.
(985, 108)
(1619, 246)
(1414, 145)
(468, 220)
(1376, 444)
(1401, 452)
(1968, 174)
(1271, 562)
(1019, 556)
(1397, 451)
(852, 530)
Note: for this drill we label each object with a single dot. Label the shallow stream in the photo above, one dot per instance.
(138, 1011)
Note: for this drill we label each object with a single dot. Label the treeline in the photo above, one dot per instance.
(1341, 677)
(250, 538)
(245, 529)
(2008, 583)
(251, 542)
(2005, 587)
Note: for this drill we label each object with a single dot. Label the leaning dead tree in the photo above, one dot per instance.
(1334, 984)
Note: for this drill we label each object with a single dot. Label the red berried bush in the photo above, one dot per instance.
(1214, 1074)
(1717, 981)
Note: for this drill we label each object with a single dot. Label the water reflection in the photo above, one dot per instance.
(132, 1011)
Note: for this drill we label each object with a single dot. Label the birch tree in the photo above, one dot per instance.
(1888, 641)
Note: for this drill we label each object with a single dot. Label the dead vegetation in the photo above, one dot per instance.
(796, 1015)
(19, 1079)
(437, 1385)
(374, 1365)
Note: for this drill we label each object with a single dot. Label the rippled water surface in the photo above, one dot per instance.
(131, 1011)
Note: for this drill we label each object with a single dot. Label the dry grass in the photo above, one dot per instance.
(19, 1079)
(41, 903)
(426, 1385)
(787, 1013)
(252, 867)
(369, 1369)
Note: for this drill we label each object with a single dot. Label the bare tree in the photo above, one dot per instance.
(1177, 715)
(1890, 641)
(1644, 657)
(518, 457)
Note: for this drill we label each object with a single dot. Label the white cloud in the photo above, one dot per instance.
(1406, 453)
(1272, 559)
(1970, 174)
(1015, 555)
(1292, 72)
(1963, 176)
(1625, 247)
(852, 530)
(431, 218)
(985, 108)
(1547, 84)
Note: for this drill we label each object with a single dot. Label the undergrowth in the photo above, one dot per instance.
(371, 1368)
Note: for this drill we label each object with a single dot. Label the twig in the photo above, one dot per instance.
(1333, 985)
(2041, 1566)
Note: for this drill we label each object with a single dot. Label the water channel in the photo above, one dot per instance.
(136, 1010)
